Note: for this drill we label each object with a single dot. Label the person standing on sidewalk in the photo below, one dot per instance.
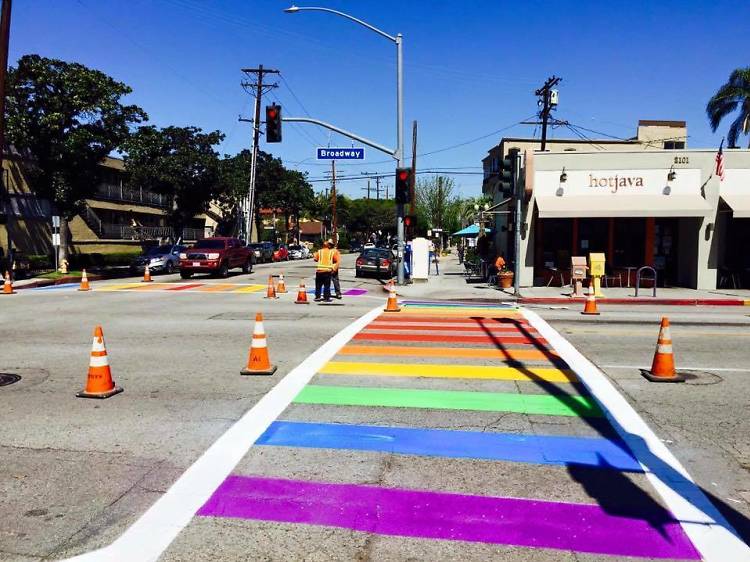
(323, 271)
(335, 271)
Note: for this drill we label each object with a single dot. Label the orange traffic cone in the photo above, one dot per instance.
(392, 304)
(99, 383)
(662, 368)
(390, 286)
(271, 290)
(84, 282)
(258, 362)
(590, 307)
(302, 294)
(8, 285)
(147, 275)
(281, 287)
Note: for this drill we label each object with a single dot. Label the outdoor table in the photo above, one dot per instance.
(629, 268)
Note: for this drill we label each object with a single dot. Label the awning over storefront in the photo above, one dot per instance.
(619, 193)
(631, 206)
(735, 191)
(470, 231)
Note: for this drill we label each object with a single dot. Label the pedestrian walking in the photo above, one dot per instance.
(433, 258)
(323, 271)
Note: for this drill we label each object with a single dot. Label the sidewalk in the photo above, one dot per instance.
(451, 284)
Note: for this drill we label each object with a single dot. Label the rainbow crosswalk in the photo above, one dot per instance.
(458, 362)
(197, 287)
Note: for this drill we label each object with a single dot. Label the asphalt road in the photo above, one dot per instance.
(76, 473)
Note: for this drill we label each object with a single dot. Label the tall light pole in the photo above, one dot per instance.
(399, 152)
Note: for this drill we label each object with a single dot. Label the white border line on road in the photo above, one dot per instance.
(709, 531)
(155, 530)
(680, 368)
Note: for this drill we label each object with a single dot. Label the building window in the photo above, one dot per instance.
(674, 145)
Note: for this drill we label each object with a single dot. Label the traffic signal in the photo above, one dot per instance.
(506, 176)
(410, 220)
(403, 181)
(273, 123)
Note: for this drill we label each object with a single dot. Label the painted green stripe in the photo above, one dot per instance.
(544, 404)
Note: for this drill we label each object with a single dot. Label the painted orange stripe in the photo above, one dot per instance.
(215, 287)
(492, 328)
(463, 352)
(470, 318)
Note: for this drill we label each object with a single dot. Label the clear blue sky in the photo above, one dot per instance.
(470, 66)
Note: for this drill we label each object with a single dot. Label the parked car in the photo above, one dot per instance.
(375, 261)
(165, 259)
(298, 252)
(368, 246)
(263, 251)
(281, 253)
(216, 256)
(355, 246)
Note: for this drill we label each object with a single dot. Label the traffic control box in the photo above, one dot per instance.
(596, 270)
(578, 269)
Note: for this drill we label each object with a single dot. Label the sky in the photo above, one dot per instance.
(470, 69)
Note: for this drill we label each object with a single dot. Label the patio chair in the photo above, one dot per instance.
(611, 276)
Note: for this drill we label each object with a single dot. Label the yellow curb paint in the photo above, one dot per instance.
(545, 374)
(249, 289)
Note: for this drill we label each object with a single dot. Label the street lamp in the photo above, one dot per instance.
(399, 153)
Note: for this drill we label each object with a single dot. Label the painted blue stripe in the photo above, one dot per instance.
(56, 287)
(536, 449)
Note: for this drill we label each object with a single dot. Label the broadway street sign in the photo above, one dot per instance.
(341, 153)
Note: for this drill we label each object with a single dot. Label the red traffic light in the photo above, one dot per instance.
(403, 175)
(272, 113)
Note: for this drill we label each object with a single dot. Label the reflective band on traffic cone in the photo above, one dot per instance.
(271, 290)
(99, 383)
(662, 368)
(590, 307)
(257, 361)
(392, 304)
(302, 294)
(84, 282)
(8, 285)
(281, 287)
(147, 275)
(390, 286)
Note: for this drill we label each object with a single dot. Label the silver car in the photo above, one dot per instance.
(164, 259)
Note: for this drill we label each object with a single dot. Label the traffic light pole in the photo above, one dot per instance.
(518, 194)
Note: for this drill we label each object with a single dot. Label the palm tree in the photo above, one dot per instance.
(735, 93)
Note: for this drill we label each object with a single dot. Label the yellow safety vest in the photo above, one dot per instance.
(324, 256)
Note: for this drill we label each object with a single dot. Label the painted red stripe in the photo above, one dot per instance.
(478, 321)
(492, 329)
(450, 338)
(184, 287)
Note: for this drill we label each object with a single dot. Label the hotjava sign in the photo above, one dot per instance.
(615, 182)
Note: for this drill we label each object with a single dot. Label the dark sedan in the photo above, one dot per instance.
(375, 261)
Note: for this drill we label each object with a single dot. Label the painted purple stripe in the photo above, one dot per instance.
(440, 515)
(355, 292)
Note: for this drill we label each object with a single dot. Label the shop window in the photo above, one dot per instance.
(629, 243)
(674, 145)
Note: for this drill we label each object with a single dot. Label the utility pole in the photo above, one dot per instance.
(377, 183)
(334, 228)
(412, 187)
(544, 93)
(4, 188)
(257, 89)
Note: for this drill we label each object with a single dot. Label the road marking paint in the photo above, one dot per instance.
(448, 338)
(56, 287)
(184, 287)
(681, 368)
(216, 287)
(462, 352)
(447, 313)
(451, 516)
(249, 289)
(437, 330)
(591, 452)
(118, 287)
(437, 320)
(466, 327)
(413, 304)
(709, 531)
(153, 532)
(546, 374)
(541, 404)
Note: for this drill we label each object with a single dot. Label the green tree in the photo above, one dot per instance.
(370, 215)
(733, 95)
(66, 118)
(436, 202)
(179, 162)
(293, 194)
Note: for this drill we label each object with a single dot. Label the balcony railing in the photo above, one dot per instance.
(125, 232)
(113, 192)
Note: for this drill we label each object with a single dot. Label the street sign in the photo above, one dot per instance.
(55, 239)
(55, 221)
(341, 153)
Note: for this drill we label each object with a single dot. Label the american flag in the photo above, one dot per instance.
(720, 161)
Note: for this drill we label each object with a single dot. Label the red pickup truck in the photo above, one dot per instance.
(216, 256)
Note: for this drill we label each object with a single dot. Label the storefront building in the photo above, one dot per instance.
(663, 208)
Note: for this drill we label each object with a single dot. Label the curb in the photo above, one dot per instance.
(60, 281)
(640, 301)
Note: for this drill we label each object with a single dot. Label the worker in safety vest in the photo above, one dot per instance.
(327, 263)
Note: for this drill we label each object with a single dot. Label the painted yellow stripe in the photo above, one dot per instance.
(119, 287)
(449, 371)
(747, 303)
(215, 287)
(249, 289)
(463, 352)
(150, 286)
